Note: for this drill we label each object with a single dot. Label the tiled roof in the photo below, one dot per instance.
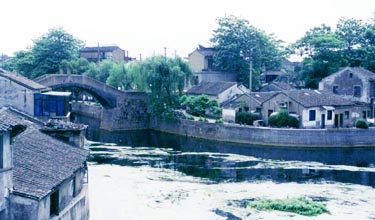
(358, 70)
(258, 97)
(276, 86)
(22, 80)
(41, 162)
(210, 88)
(205, 51)
(6, 123)
(312, 98)
(101, 49)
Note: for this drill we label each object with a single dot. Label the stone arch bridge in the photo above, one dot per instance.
(120, 109)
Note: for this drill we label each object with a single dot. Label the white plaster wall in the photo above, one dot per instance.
(229, 115)
(196, 61)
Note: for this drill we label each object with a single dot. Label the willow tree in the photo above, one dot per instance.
(164, 78)
(237, 43)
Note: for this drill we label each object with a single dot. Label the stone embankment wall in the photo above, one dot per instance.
(268, 136)
(130, 113)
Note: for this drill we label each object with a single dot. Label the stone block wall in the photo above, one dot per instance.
(268, 136)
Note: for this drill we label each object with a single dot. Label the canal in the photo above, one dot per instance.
(145, 175)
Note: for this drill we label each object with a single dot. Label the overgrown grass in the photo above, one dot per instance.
(296, 205)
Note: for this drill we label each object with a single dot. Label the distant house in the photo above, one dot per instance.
(48, 177)
(97, 54)
(201, 62)
(271, 75)
(31, 97)
(276, 85)
(245, 102)
(219, 91)
(316, 109)
(354, 83)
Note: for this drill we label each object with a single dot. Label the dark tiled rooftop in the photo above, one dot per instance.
(311, 98)
(101, 49)
(40, 161)
(210, 88)
(22, 80)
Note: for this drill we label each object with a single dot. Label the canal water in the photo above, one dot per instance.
(144, 175)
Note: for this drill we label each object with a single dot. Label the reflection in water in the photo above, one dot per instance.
(230, 162)
(175, 177)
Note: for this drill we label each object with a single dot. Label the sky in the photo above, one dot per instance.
(148, 26)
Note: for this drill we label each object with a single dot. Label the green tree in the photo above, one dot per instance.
(164, 78)
(47, 53)
(119, 78)
(236, 42)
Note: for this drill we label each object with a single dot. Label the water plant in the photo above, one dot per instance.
(300, 206)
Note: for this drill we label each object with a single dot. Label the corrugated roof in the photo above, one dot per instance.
(210, 88)
(22, 80)
(41, 162)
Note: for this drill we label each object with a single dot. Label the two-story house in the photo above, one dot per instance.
(42, 177)
(201, 62)
(353, 83)
(97, 54)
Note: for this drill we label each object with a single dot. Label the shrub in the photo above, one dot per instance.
(197, 105)
(283, 119)
(361, 123)
(293, 122)
(296, 205)
(246, 118)
(219, 121)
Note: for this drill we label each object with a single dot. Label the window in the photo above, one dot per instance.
(346, 114)
(54, 203)
(364, 114)
(350, 75)
(312, 114)
(270, 111)
(357, 91)
(329, 115)
(335, 89)
(45, 105)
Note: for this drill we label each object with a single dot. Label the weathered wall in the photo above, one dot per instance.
(17, 96)
(24, 208)
(208, 76)
(78, 208)
(268, 136)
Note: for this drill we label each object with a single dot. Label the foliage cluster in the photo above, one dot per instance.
(201, 106)
(246, 118)
(361, 123)
(47, 54)
(300, 206)
(325, 51)
(237, 42)
(283, 119)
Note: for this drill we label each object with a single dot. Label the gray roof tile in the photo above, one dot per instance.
(41, 162)
(210, 88)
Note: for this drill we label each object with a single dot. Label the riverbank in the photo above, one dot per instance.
(343, 137)
(235, 133)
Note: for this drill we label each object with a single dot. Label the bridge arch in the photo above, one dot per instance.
(106, 95)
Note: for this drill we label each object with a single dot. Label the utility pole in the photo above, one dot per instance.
(165, 53)
(251, 69)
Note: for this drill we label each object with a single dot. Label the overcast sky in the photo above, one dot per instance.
(147, 26)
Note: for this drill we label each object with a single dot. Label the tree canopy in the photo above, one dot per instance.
(47, 54)
(325, 51)
(236, 42)
(165, 78)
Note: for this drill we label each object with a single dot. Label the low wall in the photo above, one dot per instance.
(349, 137)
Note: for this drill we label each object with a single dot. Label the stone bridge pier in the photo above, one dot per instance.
(121, 110)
